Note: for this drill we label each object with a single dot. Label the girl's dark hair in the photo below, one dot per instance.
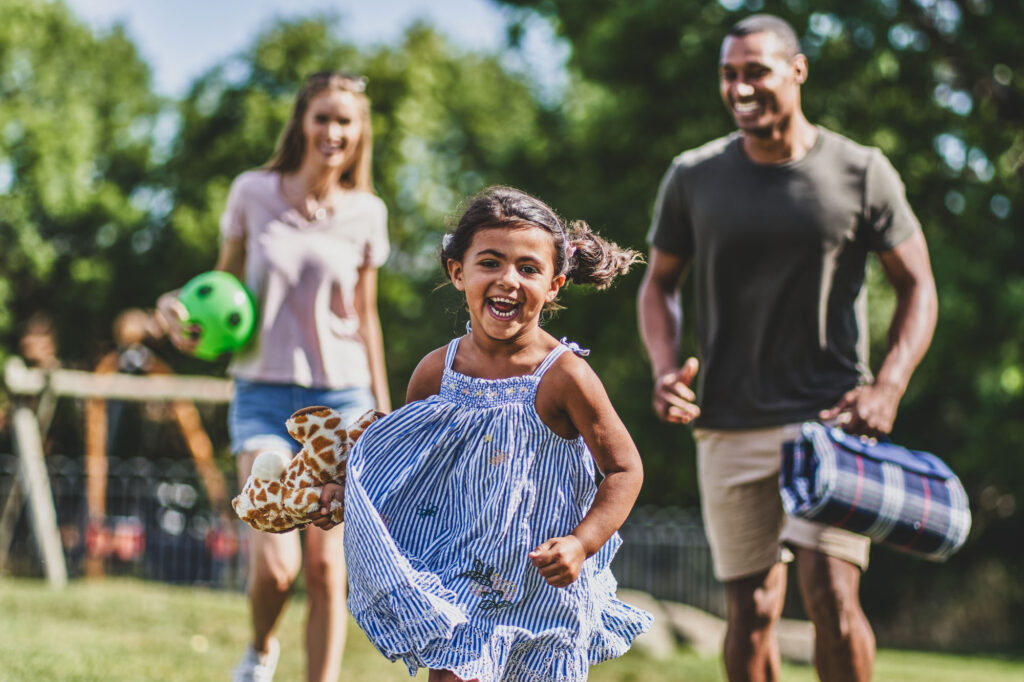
(580, 254)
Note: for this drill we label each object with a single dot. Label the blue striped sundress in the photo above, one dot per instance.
(444, 500)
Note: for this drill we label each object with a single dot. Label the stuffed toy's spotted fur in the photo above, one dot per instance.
(283, 495)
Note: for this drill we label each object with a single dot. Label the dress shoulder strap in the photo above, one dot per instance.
(549, 360)
(449, 357)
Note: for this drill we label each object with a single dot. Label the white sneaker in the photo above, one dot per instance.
(257, 667)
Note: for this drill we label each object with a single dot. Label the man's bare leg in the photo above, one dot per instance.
(754, 606)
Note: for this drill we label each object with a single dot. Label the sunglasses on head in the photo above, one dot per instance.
(350, 81)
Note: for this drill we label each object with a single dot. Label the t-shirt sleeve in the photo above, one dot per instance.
(888, 216)
(377, 246)
(671, 230)
(232, 221)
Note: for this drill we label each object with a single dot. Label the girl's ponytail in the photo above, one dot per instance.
(580, 254)
(590, 259)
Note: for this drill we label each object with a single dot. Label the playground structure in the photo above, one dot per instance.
(35, 392)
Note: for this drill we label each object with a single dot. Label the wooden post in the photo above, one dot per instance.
(9, 518)
(32, 474)
(199, 445)
(35, 483)
(95, 480)
(22, 380)
(15, 501)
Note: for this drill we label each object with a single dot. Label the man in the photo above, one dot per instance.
(777, 220)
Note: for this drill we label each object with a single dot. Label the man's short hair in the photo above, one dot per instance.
(768, 23)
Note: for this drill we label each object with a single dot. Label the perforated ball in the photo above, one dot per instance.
(222, 308)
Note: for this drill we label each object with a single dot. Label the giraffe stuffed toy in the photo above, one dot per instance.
(281, 495)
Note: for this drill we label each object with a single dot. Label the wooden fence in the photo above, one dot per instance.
(36, 388)
(164, 520)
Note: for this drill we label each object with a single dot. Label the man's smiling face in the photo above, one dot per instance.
(760, 83)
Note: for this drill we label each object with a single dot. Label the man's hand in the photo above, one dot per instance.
(673, 398)
(868, 410)
(559, 560)
(332, 492)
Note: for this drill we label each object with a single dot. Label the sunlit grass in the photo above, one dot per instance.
(128, 630)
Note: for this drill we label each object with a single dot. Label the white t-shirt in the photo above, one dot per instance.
(303, 275)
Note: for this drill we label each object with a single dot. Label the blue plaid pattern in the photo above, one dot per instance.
(906, 499)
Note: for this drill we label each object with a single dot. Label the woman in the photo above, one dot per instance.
(306, 234)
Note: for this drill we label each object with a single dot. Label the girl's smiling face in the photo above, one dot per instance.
(507, 275)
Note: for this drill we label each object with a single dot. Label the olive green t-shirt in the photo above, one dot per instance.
(778, 253)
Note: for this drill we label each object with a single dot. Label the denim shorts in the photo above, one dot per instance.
(257, 414)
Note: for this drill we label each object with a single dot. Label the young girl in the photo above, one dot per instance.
(477, 542)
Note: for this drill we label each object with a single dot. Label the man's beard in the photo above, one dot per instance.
(767, 132)
(762, 132)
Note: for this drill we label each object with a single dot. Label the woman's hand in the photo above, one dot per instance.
(331, 492)
(559, 560)
(171, 316)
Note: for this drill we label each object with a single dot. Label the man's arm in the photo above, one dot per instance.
(660, 310)
(871, 409)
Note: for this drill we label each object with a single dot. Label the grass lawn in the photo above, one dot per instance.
(131, 631)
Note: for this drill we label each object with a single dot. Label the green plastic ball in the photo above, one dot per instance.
(222, 308)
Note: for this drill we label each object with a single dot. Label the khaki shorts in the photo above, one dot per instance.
(747, 528)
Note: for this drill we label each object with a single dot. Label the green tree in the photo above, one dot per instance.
(938, 85)
(76, 139)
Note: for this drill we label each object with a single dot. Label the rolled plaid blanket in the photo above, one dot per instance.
(906, 499)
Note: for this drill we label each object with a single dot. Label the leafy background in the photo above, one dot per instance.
(110, 195)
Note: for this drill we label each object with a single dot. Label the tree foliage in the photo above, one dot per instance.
(102, 208)
(938, 85)
(76, 139)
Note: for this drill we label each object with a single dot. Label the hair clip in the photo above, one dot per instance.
(575, 347)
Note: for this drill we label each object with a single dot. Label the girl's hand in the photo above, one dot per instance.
(171, 316)
(331, 492)
(559, 560)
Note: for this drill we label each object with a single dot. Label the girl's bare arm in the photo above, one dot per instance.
(584, 400)
(426, 378)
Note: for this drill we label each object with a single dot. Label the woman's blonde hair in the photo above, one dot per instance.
(291, 146)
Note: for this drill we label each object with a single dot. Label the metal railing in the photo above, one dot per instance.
(665, 553)
(159, 526)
